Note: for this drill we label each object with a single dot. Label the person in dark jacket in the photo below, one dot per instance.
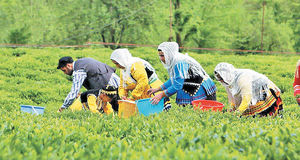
(86, 72)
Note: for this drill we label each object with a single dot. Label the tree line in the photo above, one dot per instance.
(230, 24)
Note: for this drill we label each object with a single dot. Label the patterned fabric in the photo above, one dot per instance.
(112, 93)
(183, 98)
(114, 80)
(262, 106)
(207, 87)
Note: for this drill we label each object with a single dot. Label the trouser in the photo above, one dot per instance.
(91, 101)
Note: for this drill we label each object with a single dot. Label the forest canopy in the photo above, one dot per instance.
(229, 24)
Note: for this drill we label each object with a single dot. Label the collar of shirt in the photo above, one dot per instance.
(73, 68)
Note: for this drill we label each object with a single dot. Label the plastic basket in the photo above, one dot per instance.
(207, 105)
(146, 108)
(32, 109)
(127, 108)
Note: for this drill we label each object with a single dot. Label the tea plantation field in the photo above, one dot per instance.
(29, 76)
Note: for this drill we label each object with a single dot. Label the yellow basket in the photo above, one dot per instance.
(127, 109)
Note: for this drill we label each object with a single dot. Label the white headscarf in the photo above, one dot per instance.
(172, 57)
(227, 72)
(125, 59)
(122, 56)
(259, 82)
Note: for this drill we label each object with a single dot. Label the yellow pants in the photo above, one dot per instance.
(93, 105)
(77, 105)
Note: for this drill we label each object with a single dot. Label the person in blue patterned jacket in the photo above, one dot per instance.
(187, 77)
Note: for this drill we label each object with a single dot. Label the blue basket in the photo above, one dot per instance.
(146, 108)
(32, 109)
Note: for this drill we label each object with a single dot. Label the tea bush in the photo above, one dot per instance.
(181, 133)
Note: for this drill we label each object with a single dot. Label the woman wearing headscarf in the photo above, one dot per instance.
(136, 76)
(187, 77)
(249, 93)
(296, 83)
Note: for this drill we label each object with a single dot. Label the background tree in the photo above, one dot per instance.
(197, 23)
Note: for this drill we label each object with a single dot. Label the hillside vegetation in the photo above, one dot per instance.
(29, 76)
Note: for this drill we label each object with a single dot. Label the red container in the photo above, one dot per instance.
(207, 105)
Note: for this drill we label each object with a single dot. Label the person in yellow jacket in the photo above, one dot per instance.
(249, 93)
(137, 76)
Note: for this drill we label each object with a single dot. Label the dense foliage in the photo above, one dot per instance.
(29, 76)
(196, 23)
